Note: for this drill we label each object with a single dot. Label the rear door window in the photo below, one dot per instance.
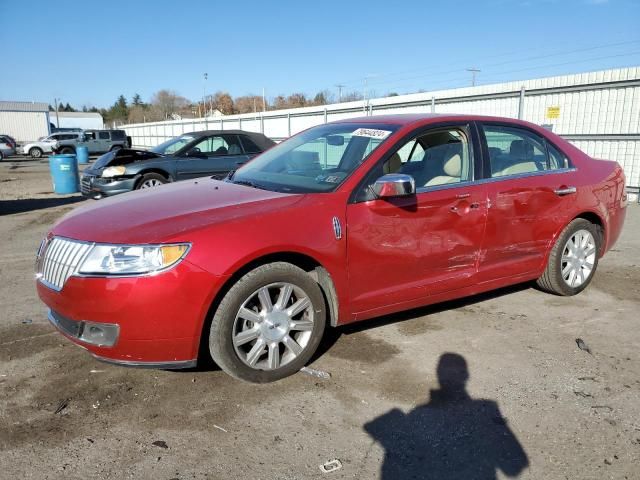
(103, 135)
(516, 151)
(249, 145)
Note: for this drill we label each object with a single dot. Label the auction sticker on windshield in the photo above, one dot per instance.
(371, 133)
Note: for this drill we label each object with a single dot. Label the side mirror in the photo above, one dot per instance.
(394, 185)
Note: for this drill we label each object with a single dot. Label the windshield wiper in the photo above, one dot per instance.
(249, 183)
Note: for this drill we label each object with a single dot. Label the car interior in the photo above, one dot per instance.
(437, 158)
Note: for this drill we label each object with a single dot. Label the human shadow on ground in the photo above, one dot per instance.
(9, 207)
(453, 436)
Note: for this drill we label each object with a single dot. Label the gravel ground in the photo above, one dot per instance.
(493, 386)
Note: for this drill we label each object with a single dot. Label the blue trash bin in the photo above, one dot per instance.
(82, 154)
(64, 173)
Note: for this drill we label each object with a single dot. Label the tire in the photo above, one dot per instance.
(293, 338)
(115, 148)
(1, 156)
(579, 262)
(35, 152)
(67, 150)
(150, 180)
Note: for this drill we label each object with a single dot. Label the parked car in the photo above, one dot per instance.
(343, 222)
(47, 144)
(7, 147)
(209, 153)
(10, 141)
(96, 141)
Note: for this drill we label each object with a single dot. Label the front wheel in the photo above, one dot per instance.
(269, 323)
(151, 180)
(35, 152)
(573, 259)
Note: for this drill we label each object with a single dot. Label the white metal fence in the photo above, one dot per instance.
(599, 112)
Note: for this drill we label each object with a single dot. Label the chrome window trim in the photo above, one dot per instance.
(447, 186)
(555, 171)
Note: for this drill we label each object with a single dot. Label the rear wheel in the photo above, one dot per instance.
(67, 150)
(35, 152)
(573, 259)
(150, 180)
(115, 148)
(269, 323)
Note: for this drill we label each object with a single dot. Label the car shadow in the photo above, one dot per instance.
(332, 335)
(452, 436)
(9, 207)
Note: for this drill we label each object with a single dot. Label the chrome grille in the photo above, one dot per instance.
(85, 184)
(59, 260)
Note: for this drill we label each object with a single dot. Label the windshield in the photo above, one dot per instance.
(317, 160)
(171, 146)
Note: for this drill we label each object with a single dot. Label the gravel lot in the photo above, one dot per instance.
(396, 405)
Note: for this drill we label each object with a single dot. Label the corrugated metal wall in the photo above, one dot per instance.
(24, 126)
(598, 111)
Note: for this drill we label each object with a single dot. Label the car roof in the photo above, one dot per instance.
(404, 119)
(259, 139)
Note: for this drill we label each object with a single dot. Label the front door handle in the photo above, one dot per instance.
(565, 191)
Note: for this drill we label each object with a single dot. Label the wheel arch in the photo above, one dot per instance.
(304, 261)
(157, 170)
(597, 220)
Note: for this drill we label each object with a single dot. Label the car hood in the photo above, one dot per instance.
(124, 156)
(168, 213)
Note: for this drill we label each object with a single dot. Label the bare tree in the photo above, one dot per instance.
(297, 100)
(166, 102)
(249, 103)
(223, 102)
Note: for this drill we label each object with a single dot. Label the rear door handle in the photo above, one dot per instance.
(565, 191)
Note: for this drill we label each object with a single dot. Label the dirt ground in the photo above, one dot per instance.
(534, 405)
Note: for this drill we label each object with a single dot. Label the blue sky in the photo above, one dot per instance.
(87, 52)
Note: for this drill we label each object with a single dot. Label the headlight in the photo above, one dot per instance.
(131, 259)
(113, 171)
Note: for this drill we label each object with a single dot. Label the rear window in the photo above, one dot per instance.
(118, 135)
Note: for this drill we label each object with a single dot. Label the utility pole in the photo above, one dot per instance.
(473, 71)
(339, 87)
(55, 100)
(264, 103)
(204, 87)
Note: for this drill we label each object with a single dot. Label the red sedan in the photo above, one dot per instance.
(342, 222)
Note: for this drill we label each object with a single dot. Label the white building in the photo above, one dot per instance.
(24, 121)
(83, 120)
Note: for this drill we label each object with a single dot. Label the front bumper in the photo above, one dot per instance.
(159, 318)
(97, 187)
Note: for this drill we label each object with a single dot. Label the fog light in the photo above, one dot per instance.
(100, 334)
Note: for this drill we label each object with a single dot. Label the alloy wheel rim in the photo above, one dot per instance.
(151, 183)
(273, 326)
(578, 258)
(36, 154)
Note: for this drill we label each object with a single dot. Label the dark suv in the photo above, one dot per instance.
(97, 141)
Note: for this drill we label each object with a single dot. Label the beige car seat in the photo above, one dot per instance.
(392, 165)
(521, 154)
(452, 168)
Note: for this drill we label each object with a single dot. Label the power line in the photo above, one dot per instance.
(523, 59)
(488, 78)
